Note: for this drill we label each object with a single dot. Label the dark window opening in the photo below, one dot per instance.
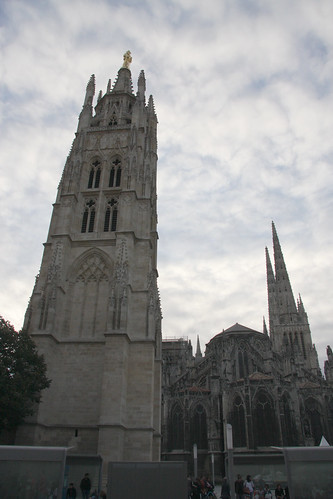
(111, 180)
(91, 178)
(113, 120)
(289, 432)
(107, 220)
(114, 220)
(176, 429)
(243, 364)
(265, 422)
(111, 214)
(95, 174)
(118, 177)
(97, 178)
(115, 174)
(238, 423)
(84, 221)
(198, 428)
(91, 221)
(314, 427)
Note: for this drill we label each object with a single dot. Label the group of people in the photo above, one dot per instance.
(199, 488)
(245, 489)
(85, 487)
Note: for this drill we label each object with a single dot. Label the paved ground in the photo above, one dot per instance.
(217, 490)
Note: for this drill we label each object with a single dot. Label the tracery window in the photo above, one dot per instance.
(94, 175)
(111, 215)
(115, 173)
(176, 428)
(198, 427)
(89, 284)
(265, 423)
(88, 218)
(238, 423)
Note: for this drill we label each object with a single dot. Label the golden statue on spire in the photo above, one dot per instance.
(127, 59)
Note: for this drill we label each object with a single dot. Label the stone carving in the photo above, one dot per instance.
(55, 266)
(93, 269)
(127, 59)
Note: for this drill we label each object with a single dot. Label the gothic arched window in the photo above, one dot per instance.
(198, 427)
(288, 424)
(111, 215)
(243, 363)
(265, 424)
(88, 218)
(94, 175)
(238, 423)
(176, 428)
(115, 173)
(312, 422)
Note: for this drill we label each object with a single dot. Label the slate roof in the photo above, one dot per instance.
(237, 328)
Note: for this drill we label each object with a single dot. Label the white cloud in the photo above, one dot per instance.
(243, 93)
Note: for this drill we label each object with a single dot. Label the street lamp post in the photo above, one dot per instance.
(195, 459)
(230, 460)
(213, 468)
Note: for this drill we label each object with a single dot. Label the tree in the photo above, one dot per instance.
(22, 376)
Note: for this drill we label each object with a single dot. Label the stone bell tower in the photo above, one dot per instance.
(95, 312)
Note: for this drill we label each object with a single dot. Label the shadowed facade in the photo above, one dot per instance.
(95, 311)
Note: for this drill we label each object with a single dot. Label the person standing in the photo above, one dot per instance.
(279, 492)
(239, 487)
(71, 491)
(225, 489)
(248, 487)
(267, 492)
(196, 489)
(85, 486)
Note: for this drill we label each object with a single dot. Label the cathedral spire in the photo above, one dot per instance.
(300, 306)
(86, 113)
(90, 91)
(270, 290)
(123, 83)
(198, 354)
(264, 327)
(286, 298)
(289, 328)
(151, 107)
(141, 87)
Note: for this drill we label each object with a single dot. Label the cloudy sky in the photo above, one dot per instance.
(243, 94)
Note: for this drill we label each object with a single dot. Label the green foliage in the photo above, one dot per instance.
(22, 376)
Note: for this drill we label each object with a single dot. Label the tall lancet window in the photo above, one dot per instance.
(238, 422)
(198, 427)
(312, 422)
(88, 219)
(115, 173)
(176, 428)
(111, 214)
(265, 423)
(94, 175)
(243, 363)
